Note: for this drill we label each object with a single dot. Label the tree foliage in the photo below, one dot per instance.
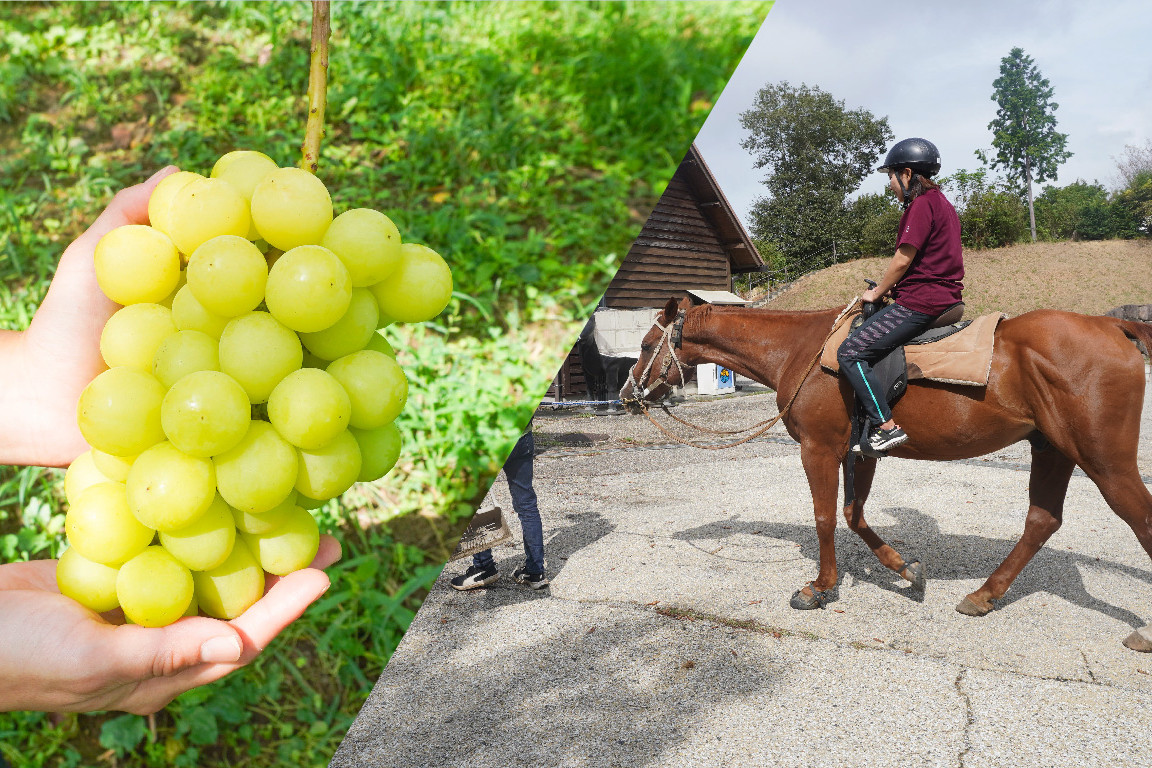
(992, 215)
(1078, 211)
(876, 218)
(1028, 146)
(1133, 161)
(1133, 207)
(816, 152)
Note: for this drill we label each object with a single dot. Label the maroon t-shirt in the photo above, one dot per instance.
(933, 280)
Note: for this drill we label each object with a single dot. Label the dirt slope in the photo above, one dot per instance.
(1088, 277)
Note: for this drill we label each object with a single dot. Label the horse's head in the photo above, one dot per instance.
(658, 370)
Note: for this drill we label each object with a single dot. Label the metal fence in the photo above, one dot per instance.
(761, 287)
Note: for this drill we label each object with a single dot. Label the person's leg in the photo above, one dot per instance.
(518, 470)
(481, 573)
(886, 330)
(483, 559)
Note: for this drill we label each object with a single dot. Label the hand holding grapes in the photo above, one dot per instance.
(56, 655)
(50, 364)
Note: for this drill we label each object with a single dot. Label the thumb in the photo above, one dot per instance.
(129, 206)
(141, 653)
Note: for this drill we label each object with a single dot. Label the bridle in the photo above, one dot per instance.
(671, 335)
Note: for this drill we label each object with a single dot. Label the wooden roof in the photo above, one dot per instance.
(742, 254)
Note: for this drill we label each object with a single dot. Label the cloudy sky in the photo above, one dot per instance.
(929, 67)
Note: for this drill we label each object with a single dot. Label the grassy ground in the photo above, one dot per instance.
(1086, 277)
(524, 141)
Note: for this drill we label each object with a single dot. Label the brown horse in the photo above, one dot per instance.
(1071, 384)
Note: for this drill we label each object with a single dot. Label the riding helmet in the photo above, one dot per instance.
(920, 155)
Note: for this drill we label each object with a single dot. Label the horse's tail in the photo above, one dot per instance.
(1139, 332)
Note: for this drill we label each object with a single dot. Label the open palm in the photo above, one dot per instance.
(56, 655)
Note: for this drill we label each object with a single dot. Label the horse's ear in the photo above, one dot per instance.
(670, 310)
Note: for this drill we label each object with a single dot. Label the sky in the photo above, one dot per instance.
(929, 67)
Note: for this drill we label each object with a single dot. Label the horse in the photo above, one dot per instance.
(1070, 384)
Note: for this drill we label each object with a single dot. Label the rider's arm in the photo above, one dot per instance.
(896, 268)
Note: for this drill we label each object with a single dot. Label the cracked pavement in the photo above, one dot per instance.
(666, 638)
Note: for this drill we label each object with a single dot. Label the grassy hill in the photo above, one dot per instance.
(1087, 277)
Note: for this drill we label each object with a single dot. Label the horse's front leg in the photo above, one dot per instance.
(822, 469)
(912, 570)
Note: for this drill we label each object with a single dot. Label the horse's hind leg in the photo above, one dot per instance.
(1129, 498)
(864, 473)
(1047, 487)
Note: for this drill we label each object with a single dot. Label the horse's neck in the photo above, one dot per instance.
(761, 345)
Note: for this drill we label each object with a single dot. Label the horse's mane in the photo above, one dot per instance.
(707, 309)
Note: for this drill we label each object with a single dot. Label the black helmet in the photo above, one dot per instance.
(920, 155)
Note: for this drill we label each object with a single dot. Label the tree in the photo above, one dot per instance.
(1133, 207)
(1134, 161)
(991, 213)
(876, 219)
(1028, 146)
(1079, 211)
(817, 152)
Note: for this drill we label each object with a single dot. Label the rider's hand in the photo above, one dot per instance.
(870, 295)
(58, 656)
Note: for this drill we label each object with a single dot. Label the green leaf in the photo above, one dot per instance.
(123, 734)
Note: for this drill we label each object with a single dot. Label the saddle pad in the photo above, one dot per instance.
(964, 357)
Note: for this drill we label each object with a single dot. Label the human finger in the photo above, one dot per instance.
(285, 602)
(287, 599)
(140, 653)
(129, 206)
(327, 554)
(35, 574)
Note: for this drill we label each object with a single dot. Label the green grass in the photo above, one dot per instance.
(526, 142)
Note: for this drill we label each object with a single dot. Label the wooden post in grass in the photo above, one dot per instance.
(317, 85)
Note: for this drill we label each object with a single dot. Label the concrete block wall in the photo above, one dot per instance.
(618, 332)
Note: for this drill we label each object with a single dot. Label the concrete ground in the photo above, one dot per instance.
(666, 638)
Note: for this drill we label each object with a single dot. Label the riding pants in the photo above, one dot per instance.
(518, 470)
(889, 328)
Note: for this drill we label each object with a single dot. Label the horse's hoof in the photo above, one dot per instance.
(913, 570)
(970, 608)
(1140, 640)
(818, 598)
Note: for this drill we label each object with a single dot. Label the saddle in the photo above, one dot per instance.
(950, 350)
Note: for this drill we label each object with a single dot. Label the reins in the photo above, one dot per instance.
(667, 338)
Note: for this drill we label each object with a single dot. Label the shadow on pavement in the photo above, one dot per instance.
(946, 557)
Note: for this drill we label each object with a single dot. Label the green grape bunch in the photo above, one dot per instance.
(247, 383)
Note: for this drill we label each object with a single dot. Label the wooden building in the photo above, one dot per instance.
(691, 241)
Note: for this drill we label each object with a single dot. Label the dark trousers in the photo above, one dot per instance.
(883, 332)
(518, 469)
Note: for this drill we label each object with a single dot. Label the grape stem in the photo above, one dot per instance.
(317, 85)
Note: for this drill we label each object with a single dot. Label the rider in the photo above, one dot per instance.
(924, 278)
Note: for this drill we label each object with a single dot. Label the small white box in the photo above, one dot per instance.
(712, 379)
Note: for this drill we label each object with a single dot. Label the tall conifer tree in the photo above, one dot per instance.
(1028, 146)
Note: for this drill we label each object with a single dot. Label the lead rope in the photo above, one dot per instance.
(768, 425)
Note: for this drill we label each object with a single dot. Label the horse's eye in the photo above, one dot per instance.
(645, 347)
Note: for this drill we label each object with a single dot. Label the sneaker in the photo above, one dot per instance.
(534, 580)
(476, 577)
(884, 440)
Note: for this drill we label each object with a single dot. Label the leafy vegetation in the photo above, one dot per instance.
(526, 142)
(1028, 146)
(818, 152)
